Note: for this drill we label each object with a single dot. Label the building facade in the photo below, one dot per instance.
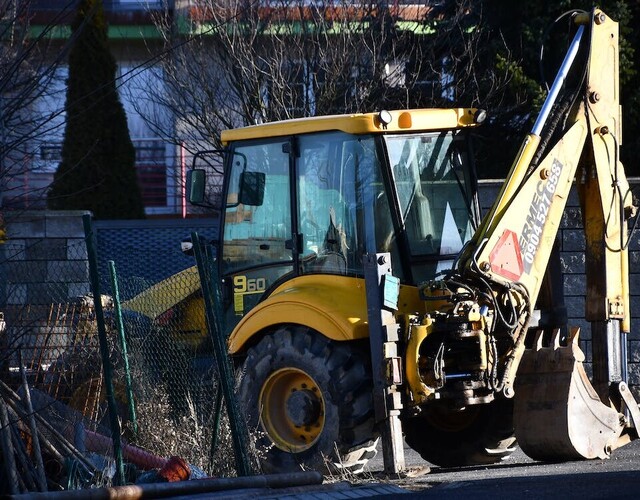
(143, 34)
(34, 133)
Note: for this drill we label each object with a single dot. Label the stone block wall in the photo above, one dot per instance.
(44, 260)
(43, 269)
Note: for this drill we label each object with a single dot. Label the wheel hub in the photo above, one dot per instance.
(292, 409)
(303, 407)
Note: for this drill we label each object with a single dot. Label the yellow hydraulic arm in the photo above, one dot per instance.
(505, 262)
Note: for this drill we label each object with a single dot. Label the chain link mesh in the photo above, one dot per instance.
(52, 331)
(170, 359)
(51, 337)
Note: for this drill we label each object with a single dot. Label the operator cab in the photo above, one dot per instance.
(313, 196)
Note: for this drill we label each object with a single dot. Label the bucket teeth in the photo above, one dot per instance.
(537, 340)
(555, 338)
(574, 335)
(558, 414)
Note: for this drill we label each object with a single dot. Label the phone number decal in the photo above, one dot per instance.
(537, 215)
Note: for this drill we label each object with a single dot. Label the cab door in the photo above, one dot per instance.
(259, 245)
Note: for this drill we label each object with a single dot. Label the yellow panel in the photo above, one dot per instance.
(164, 295)
(601, 196)
(533, 212)
(192, 328)
(360, 123)
(332, 305)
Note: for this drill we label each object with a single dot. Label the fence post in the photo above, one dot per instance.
(210, 283)
(217, 412)
(382, 296)
(94, 278)
(123, 343)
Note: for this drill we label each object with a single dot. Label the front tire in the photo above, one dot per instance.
(310, 401)
(477, 435)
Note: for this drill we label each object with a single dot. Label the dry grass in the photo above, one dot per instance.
(166, 432)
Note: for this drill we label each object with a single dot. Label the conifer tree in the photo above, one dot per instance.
(97, 171)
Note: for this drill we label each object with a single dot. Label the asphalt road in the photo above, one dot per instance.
(519, 476)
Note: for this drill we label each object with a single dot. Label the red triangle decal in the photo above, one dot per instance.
(505, 258)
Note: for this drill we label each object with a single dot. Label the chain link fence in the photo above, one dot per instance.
(160, 358)
(50, 367)
(171, 367)
(159, 311)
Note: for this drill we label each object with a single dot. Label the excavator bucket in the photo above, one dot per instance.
(557, 413)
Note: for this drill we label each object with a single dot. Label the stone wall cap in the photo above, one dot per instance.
(14, 214)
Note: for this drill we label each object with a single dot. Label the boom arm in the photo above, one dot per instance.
(498, 276)
(511, 249)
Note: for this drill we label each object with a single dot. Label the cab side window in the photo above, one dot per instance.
(327, 204)
(340, 188)
(258, 214)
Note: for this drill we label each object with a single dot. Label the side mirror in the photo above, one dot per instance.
(196, 182)
(251, 188)
(186, 246)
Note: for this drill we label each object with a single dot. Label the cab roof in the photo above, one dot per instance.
(408, 120)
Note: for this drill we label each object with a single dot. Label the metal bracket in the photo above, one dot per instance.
(382, 290)
(616, 308)
(630, 403)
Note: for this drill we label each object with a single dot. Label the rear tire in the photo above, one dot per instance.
(477, 435)
(309, 401)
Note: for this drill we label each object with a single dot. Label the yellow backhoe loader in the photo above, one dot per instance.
(470, 351)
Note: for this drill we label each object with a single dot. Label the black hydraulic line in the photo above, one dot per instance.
(546, 34)
(561, 109)
(622, 197)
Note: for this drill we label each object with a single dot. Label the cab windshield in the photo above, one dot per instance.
(434, 192)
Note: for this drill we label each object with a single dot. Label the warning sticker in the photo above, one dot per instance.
(238, 304)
